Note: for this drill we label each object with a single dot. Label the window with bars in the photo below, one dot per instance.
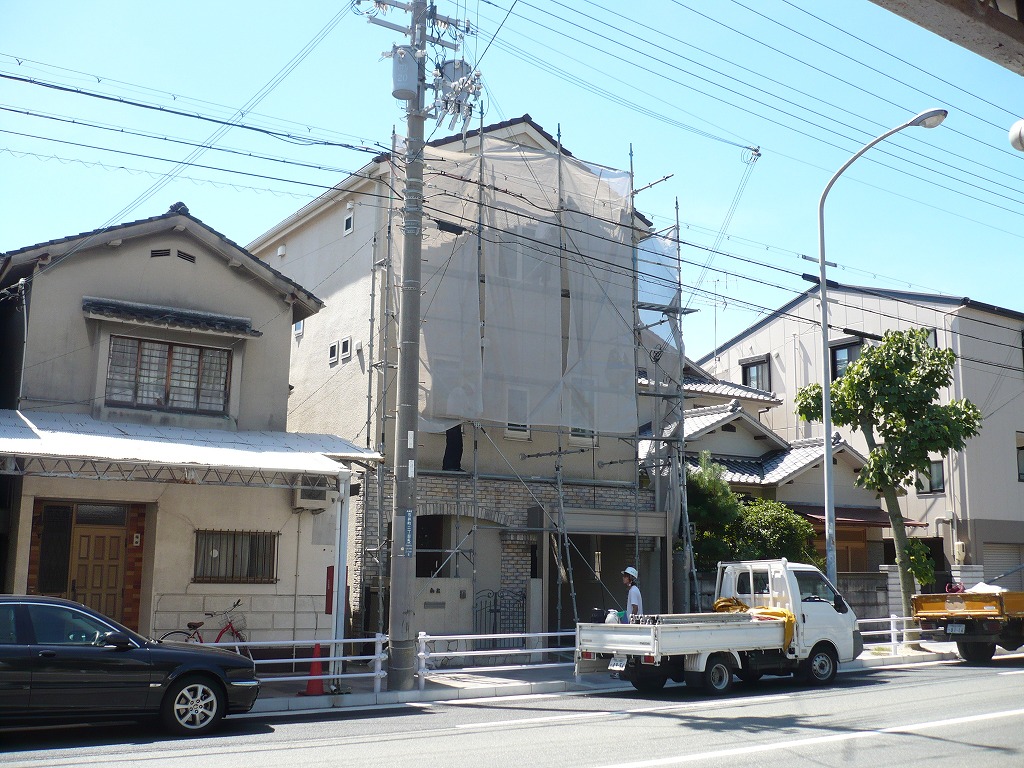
(142, 373)
(236, 557)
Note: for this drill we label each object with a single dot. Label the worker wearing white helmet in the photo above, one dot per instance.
(634, 602)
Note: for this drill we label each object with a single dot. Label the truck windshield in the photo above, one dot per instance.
(814, 587)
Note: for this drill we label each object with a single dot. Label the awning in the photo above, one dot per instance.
(852, 517)
(78, 446)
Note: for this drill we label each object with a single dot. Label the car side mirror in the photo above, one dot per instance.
(118, 640)
(840, 604)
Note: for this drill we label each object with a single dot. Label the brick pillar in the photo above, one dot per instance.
(515, 560)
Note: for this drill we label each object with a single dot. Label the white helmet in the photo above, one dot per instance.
(631, 572)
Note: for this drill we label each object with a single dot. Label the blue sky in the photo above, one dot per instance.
(689, 84)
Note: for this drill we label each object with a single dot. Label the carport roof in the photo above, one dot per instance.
(76, 445)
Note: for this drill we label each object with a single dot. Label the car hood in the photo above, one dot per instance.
(211, 652)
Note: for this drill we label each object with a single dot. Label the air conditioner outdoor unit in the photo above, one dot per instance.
(314, 498)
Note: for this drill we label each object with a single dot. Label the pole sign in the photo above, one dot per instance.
(410, 521)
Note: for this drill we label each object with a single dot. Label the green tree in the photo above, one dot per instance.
(889, 394)
(712, 508)
(768, 529)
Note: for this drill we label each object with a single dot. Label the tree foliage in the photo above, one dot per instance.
(726, 528)
(890, 395)
(712, 508)
(768, 529)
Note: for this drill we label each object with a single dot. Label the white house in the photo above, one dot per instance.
(970, 508)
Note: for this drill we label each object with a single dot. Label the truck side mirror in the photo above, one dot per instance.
(840, 604)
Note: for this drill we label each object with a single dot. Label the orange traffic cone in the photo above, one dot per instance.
(315, 684)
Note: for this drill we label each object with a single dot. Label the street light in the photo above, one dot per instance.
(929, 119)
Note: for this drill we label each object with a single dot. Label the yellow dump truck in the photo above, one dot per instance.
(977, 621)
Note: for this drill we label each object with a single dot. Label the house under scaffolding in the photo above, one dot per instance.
(529, 499)
(528, 341)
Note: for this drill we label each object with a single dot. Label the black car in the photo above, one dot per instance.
(61, 661)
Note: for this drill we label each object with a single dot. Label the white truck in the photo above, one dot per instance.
(799, 624)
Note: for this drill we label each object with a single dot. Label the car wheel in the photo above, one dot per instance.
(192, 706)
(718, 674)
(820, 667)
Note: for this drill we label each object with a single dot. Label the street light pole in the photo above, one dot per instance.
(929, 119)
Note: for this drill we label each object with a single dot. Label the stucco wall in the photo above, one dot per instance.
(65, 356)
(174, 514)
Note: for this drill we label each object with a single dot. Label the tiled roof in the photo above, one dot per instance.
(170, 317)
(698, 421)
(777, 467)
(694, 385)
(176, 210)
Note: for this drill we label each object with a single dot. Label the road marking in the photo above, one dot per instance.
(813, 741)
(703, 705)
(1015, 672)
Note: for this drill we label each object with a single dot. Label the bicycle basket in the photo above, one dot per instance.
(237, 619)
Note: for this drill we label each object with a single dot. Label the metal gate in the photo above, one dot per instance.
(499, 612)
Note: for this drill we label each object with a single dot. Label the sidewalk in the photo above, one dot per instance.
(276, 697)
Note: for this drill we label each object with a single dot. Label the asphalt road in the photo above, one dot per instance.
(948, 714)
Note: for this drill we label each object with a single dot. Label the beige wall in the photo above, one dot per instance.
(338, 267)
(174, 513)
(66, 353)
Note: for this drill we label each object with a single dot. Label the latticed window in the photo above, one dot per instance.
(236, 557)
(173, 377)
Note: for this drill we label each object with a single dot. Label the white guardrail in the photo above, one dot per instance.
(332, 660)
(452, 654)
(440, 655)
(892, 632)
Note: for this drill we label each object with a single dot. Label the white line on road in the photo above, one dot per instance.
(703, 705)
(815, 740)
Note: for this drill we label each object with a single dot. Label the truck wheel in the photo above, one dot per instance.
(976, 653)
(749, 676)
(649, 682)
(820, 667)
(718, 674)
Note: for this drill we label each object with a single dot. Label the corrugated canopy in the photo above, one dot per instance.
(75, 445)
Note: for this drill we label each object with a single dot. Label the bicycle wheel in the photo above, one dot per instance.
(177, 635)
(230, 633)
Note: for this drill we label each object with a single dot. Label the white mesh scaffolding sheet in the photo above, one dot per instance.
(514, 374)
(599, 386)
(450, 371)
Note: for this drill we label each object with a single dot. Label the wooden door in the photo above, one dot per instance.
(96, 576)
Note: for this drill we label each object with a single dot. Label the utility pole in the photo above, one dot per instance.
(402, 643)
(410, 86)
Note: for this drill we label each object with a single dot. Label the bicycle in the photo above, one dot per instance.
(233, 626)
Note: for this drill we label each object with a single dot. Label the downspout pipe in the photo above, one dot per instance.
(22, 283)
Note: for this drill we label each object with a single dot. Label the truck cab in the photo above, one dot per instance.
(821, 614)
